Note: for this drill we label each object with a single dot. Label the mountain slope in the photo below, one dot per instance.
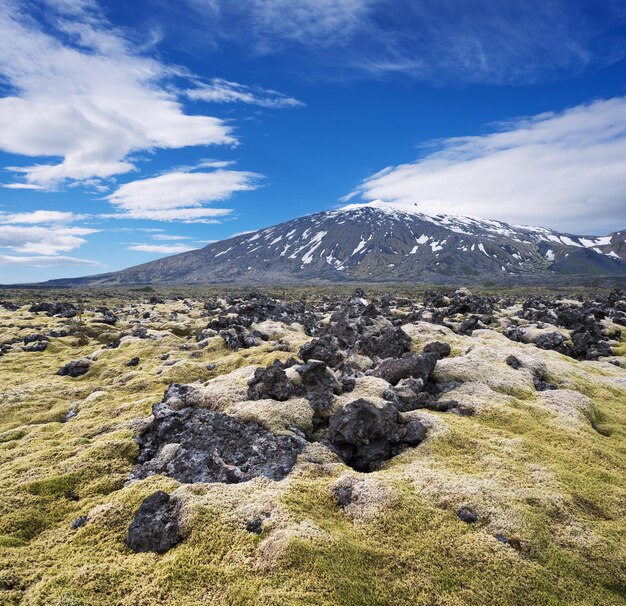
(374, 242)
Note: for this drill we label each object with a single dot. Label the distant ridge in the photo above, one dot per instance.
(378, 243)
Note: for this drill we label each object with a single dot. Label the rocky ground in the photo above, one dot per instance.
(320, 448)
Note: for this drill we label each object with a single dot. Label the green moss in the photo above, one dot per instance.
(55, 486)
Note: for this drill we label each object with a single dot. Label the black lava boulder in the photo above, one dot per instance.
(271, 382)
(325, 349)
(417, 367)
(199, 445)
(365, 435)
(389, 343)
(155, 526)
(74, 369)
(440, 348)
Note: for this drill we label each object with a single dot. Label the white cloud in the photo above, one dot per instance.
(166, 249)
(563, 170)
(46, 261)
(507, 41)
(43, 240)
(223, 91)
(22, 185)
(181, 196)
(40, 216)
(172, 237)
(84, 94)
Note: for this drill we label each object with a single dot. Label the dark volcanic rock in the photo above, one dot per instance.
(35, 342)
(74, 369)
(179, 395)
(515, 333)
(34, 338)
(255, 526)
(389, 343)
(199, 445)
(238, 337)
(513, 362)
(319, 385)
(590, 344)
(9, 305)
(343, 491)
(541, 385)
(417, 367)
(552, 340)
(133, 361)
(467, 515)
(408, 395)
(318, 377)
(325, 349)
(80, 521)
(271, 382)
(65, 310)
(365, 436)
(108, 317)
(155, 526)
(441, 349)
(345, 330)
(469, 325)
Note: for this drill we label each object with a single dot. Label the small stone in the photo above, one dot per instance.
(467, 515)
(513, 362)
(80, 521)
(342, 491)
(510, 541)
(133, 361)
(255, 526)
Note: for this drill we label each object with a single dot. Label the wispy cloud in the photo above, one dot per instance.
(223, 91)
(166, 249)
(80, 91)
(32, 186)
(270, 25)
(46, 261)
(181, 196)
(41, 217)
(477, 41)
(563, 170)
(172, 237)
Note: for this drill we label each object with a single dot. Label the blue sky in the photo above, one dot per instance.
(131, 130)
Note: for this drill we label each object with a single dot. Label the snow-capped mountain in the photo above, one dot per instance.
(377, 242)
